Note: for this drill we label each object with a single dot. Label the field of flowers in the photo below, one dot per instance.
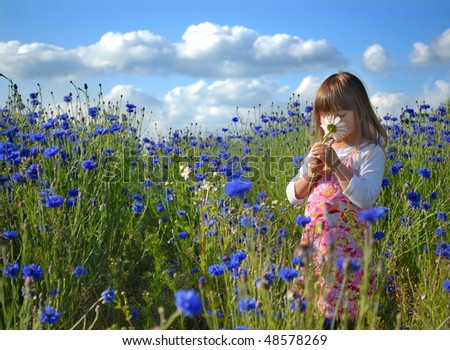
(102, 227)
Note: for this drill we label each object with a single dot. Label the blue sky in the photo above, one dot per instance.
(196, 61)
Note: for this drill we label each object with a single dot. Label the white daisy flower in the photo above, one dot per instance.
(333, 126)
(185, 171)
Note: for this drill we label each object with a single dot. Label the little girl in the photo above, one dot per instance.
(342, 175)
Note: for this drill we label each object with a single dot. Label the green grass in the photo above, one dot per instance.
(140, 255)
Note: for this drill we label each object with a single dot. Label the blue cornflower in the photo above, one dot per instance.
(33, 271)
(297, 261)
(114, 127)
(414, 199)
(33, 171)
(433, 196)
(287, 273)
(425, 206)
(10, 234)
(440, 232)
(67, 98)
(446, 285)
(410, 111)
(53, 201)
(442, 110)
(73, 192)
(51, 151)
(137, 207)
(49, 315)
(19, 178)
(188, 302)
(406, 221)
(379, 235)
(443, 249)
(298, 302)
(147, 184)
(256, 207)
(262, 195)
(11, 270)
(394, 169)
(181, 212)
(46, 192)
(302, 220)
(235, 119)
(442, 216)
(79, 271)
(159, 207)
(71, 202)
(348, 265)
(108, 295)
(268, 215)
(93, 111)
(282, 233)
(200, 177)
(372, 214)
(385, 182)
(247, 221)
(130, 107)
(183, 235)
(88, 164)
(238, 187)
(239, 255)
(424, 172)
(231, 262)
(246, 304)
(216, 270)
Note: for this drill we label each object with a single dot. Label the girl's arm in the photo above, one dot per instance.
(343, 174)
(364, 186)
(297, 188)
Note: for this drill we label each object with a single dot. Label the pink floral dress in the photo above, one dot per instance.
(335, 232)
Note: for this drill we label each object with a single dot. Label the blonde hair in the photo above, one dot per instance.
(346, 91)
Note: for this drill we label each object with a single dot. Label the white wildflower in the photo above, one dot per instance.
(185, 171)
(333, 126)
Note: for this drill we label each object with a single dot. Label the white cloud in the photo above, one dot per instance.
(39, 60)
(442, 45)
(376, 58)
(131, 94)
(436, 52)
(393, 102)
(437, 93)
(120, 95)
(209, 40)
(388, 103)
(308, 88)
(210, 50)
(214, 105)
(140, 52)
(421, 53)
(206, 50)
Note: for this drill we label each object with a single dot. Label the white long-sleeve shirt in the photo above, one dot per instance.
(365, 185)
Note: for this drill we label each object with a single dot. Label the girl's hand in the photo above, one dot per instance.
(325, 154)
(316, 164)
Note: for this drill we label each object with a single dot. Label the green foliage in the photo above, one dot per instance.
(123, 225)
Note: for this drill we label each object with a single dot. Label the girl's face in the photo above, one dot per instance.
(348, 117)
